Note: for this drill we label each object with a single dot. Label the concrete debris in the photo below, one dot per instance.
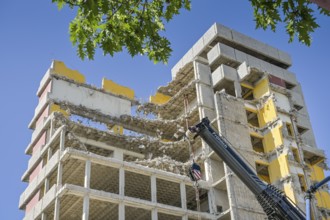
(166, 163)
(179, 150)
(174, 107)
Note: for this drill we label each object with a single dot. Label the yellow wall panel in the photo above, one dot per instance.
(323, 199)
(59, 68)
(273, 139)
(279, 168)
(289, 192)
(267, 113)
(274, 171)
(317, 173)
(111, 86)
(261, 89)
(159, 98)
(57, 108)
(284, 165)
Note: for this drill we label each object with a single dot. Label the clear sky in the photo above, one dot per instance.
(34, 33)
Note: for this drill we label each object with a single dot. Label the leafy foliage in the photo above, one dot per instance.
(298, 16)
(136, 25)
(114, 24)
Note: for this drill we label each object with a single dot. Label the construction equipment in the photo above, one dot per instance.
(275, 204)
(309, 194)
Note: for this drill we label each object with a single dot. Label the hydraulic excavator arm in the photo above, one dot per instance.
(275, 204)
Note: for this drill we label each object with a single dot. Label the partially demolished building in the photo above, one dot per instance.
(92, 158)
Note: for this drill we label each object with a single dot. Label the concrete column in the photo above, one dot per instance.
(85, 208)
(57, 209)
(154, 214)
(62, 140)
(238, 89)
(121, 181)
(118, 154)
(87, 179)
(51, 128)
(153, 188)
(59, 174)
(43, 216)
(211, 200)
(185, 217)
(183, 195)
(231, 196)
(49, 153)
(206, 108)
(121, 211)
(46, 188)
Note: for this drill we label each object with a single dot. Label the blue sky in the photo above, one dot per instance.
(35, 32)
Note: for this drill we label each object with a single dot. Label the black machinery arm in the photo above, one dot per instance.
(275, 204)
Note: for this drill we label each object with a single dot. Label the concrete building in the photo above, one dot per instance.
(91, 158)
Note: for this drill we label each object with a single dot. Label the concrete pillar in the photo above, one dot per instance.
(85, 214)
(154, 214)
(43, 216)
(185, 217)
(206, 107)
(121, 181)
(153, 188)
(49, 153)
(209, 178)
(51, 128)
(238, 89)
(46, 188)
(87, 174)
(121, 211)
(87, 179)
(230, 192)
(57, 209)
(183, 195)
(118, 154)
(59, 174)
(211, 200)
(62, 140)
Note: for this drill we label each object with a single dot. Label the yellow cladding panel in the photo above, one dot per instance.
(267, 113)
(57, 108)
(279, 168)
(317, 173)
(111, 86)
(289, 192)
(60, 69)
(323, 199)
(261, 89)
(274, 171)
(273, 139)
(159, 98)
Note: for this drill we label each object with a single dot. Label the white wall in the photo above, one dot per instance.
(89, 98)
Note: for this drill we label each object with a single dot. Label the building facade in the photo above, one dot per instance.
(97, 154)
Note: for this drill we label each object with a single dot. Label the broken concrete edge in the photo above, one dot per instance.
(156, 108)
(155, 127)
(153, 143)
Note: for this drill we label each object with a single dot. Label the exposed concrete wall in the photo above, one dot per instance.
(68, 92)
(231, 123)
